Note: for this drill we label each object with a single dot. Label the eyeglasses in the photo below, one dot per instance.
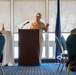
(38, 16)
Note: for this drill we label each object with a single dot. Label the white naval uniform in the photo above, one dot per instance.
(39, 26)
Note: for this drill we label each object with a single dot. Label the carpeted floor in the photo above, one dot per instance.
(43, 69)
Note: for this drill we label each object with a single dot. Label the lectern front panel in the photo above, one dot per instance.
(28, 47)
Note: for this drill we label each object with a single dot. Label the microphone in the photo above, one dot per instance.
(25, 24)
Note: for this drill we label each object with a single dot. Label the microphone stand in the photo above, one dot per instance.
(24, 24)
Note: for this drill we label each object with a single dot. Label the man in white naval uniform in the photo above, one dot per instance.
(37, 24)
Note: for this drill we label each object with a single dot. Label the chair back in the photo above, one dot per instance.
(58, 44)
(2, 41)
(63, 42)
(71, 44)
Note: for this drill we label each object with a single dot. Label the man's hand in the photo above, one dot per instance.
(46, 27)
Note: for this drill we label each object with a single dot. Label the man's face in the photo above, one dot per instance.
(38, 17)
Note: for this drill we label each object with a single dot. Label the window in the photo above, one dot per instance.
(67, 15)
(5, 14)
(25, 10)
(49, 54)
(22, 14)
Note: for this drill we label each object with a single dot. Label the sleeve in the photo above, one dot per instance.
(42, 25)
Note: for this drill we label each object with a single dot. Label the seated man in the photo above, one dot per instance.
(71, 47)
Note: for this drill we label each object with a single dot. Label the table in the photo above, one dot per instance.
(8, 57)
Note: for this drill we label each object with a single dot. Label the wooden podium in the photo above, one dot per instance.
(29, 48)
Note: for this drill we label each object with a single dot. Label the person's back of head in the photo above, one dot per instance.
(71, 43)
(73, 31)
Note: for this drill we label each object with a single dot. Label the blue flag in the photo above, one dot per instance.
(58, 27)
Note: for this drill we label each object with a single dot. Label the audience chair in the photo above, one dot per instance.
(62, 53)
(71, 47)
(2, 41)
(65, 55)
(63, 42)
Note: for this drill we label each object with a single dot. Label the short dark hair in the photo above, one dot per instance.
(73, 31)
(39, 14)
